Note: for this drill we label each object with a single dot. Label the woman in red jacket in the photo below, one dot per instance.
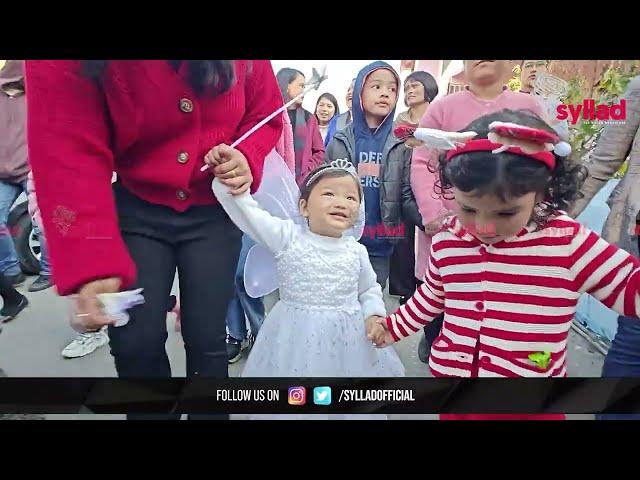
(151, 122)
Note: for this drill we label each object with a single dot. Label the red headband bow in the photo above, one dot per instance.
(487, 145)
(503, 137)
(540, 139)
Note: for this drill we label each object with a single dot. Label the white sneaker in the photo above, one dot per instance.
(85, 343)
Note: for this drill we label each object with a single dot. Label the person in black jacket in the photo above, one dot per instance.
(383, 163)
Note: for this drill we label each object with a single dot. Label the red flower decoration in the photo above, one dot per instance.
(404, 132)
(63, 218)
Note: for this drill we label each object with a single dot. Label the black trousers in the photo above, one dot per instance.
(381, 267)
(432, 330)
(402, 276)
(203, 244)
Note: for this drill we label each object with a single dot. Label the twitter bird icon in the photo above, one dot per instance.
(322, 395)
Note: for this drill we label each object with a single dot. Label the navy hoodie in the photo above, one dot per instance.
(369, 145)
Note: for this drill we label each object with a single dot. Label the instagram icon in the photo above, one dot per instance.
(297, 396)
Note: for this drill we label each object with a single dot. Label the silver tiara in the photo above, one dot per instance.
(337, 164)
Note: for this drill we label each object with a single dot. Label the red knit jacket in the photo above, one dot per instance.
(145, 123)
(509, 304)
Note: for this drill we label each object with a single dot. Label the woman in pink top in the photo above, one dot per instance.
(485, 93)
(284, 147)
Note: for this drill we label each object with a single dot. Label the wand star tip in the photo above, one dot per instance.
(318, 76)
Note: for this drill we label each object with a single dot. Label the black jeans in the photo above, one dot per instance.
(402, 275)
(381, 266)
(203, 244)
(623, 359)
(432, 330)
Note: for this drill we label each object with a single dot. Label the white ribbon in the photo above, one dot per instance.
(116, 305)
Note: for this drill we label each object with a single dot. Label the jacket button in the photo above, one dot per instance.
(480, 306)
(483, 250)
(181, 195)
(485, 359)
(186, 105)
(183, 157)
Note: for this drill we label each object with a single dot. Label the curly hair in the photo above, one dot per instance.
(508, 174)
(213, 77)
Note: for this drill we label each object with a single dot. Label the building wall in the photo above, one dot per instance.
(434, 67)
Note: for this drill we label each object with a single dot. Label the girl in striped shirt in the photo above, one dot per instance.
(508, 269)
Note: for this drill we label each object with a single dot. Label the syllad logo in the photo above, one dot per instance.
(588, 110)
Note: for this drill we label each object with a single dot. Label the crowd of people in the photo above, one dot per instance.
(477, 238)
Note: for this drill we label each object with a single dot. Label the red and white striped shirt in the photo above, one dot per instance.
(517, 297)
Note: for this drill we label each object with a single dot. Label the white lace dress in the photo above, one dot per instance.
(327, 289)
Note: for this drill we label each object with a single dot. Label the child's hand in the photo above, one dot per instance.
(385, 339)
(413, 143)
(377, 331)
(377, 335)
(372, 327)
(231, 167)
(434, 226)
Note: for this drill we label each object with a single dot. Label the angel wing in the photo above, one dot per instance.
(278, 193)
(317, 77)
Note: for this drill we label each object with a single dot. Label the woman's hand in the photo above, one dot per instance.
(89, 316)
(231, 167)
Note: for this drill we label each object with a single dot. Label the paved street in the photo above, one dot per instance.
(30, 346)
